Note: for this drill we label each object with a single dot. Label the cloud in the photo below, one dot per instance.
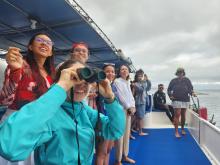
(160, 36)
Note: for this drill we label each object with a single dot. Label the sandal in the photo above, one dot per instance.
(133, 130)
(183, 132)
(129, 160)
(132, 137)
(143, 134)
(177, 135)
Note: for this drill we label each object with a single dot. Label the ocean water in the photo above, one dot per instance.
(210, 98)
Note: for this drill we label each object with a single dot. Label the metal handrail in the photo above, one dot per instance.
(196, 128)
(205, 121)
(87, 18)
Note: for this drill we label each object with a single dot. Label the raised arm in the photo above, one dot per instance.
(26, 129)
(13, 75)
(113, 125)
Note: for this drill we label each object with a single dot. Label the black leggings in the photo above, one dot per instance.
(169, 111)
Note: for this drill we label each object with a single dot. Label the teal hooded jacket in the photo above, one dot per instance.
(46, 126)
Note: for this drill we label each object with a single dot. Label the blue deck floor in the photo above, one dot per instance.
(160, 147)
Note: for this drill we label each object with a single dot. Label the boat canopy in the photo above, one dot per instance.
(66, 23)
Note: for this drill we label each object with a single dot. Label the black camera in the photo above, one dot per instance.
(91, 75)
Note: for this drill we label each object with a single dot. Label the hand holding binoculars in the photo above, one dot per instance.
(91, 75)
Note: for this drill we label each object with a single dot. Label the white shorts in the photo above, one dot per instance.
(180, 104)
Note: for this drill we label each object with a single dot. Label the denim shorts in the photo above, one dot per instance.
(140, 110)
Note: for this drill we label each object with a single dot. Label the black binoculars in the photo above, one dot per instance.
(91, 75)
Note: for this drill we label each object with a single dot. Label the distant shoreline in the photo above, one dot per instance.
(201, 93)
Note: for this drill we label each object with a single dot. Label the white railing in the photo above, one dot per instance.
(206, 135)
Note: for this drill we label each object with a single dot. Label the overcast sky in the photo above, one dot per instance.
(161, 35)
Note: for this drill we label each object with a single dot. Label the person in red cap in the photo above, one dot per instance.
(80, 52)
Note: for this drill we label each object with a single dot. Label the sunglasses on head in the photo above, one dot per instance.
(109, 64)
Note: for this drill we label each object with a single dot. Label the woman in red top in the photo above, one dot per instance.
(28, 77)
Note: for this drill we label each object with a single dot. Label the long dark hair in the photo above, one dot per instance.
(48, 66)
(127, 78)
(138, 72)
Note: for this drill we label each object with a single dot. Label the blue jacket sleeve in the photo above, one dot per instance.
(26, 129)
(113, 125)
